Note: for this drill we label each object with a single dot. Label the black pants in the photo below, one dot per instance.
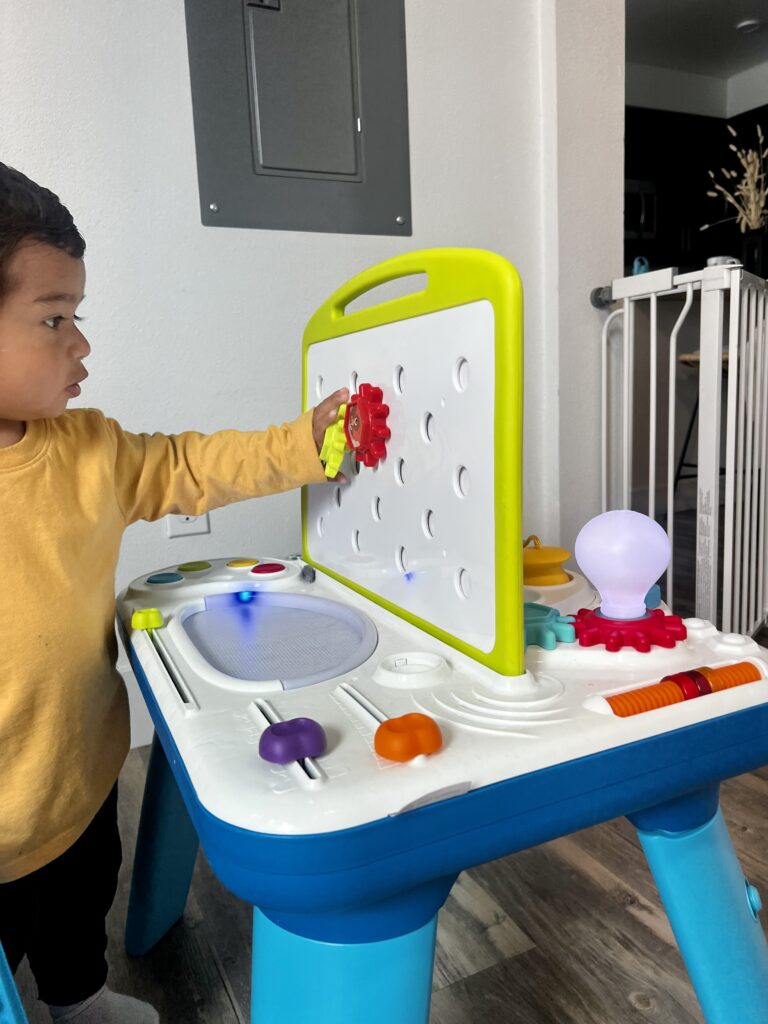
(57, 915)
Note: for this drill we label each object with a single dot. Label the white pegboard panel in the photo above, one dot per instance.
(418, 530)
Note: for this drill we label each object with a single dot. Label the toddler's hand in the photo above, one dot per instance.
(324, 415)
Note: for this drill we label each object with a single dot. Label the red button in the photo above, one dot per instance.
(264, 568)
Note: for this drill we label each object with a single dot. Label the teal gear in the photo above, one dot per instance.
(546, 627)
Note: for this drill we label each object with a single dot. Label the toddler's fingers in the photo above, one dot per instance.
(339, 397)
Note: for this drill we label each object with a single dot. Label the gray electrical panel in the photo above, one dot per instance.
(301, 114)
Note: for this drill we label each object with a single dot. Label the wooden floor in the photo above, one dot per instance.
(567, 933)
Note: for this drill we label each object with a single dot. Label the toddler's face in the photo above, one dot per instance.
(41, 347)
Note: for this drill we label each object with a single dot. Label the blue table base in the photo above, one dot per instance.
(328, 978)
(166, 850)
(713, 912)
(300, 979)
(11, 1011)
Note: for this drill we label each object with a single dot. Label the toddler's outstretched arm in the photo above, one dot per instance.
(192, 473)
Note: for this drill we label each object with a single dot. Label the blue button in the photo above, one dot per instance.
(165, 577)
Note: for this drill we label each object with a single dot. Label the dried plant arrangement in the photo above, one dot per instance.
(749, 195)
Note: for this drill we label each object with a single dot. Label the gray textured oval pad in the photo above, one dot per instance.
(297, 639)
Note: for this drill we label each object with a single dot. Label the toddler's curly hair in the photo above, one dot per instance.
(29, 212)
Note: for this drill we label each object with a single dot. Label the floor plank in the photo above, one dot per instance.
(473, 933)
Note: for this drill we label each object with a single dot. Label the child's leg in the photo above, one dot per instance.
(14, 919)
(68, 904)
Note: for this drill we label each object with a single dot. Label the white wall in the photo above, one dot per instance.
(688, 93)
(748, 90)
(200, 328)
(590, 169)
(682, 91)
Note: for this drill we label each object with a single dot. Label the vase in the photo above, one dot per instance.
(754, 251)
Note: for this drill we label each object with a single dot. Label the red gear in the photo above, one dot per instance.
(365, 425)
(656, 628)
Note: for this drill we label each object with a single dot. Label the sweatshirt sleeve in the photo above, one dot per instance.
(192, 473)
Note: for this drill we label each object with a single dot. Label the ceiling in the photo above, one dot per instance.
(698, 36)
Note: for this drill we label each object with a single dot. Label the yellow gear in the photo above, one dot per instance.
(334, 445)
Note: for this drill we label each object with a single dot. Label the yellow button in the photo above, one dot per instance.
(147, 618)
(242, 563)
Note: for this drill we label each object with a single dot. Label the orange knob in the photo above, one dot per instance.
(402, 739)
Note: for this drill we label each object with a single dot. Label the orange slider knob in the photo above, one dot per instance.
(406, 737)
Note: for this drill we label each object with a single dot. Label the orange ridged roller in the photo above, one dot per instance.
(683, 686)
(728, 676)
(647, 698)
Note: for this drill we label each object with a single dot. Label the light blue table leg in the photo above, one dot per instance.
(297, 980)
(713, 913)
(11, 1010)
(166, 849)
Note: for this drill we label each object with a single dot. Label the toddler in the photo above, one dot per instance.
(70, 483)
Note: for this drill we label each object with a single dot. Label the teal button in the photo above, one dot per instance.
(165, 577)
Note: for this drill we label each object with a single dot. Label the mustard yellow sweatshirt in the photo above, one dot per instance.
(68, 490)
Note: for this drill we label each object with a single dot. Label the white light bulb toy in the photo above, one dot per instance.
(623, 553)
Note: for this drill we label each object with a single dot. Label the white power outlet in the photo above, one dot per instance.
(183, 526)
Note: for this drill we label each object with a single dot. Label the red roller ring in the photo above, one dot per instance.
(688, 686)
(704, 685)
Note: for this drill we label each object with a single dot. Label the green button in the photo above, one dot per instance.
(194, 567)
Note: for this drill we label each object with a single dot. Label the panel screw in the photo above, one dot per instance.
(400, 219)
(213, 207)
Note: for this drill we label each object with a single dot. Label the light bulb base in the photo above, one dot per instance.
(623, 609)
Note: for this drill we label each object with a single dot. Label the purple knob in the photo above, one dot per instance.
(293, 740)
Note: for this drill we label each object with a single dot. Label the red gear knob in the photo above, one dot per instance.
(656, 629)
(365, 425)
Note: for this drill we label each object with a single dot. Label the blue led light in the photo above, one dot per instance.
(244, 596)
(409, 576)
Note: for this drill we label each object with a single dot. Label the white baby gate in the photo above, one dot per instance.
(732, 423)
